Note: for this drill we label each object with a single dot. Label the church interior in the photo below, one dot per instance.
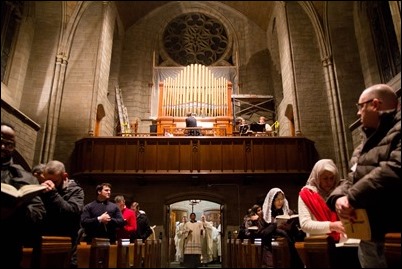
(105, 86)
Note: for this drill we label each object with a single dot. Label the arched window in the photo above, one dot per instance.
(11, 12)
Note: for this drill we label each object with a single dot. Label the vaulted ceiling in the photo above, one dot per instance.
(257, 11)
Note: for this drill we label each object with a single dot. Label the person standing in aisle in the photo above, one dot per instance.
(374, 179)
(193, 232)
(101, 218)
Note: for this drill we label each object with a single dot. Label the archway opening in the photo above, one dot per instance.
(212, 213)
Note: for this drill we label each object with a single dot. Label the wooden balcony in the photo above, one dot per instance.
(187, 155)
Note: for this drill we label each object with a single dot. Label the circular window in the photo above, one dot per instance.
(195, 38)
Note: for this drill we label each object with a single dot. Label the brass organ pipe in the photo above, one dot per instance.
(163, 101)
(180, 94)
(212, 95)
(199, 101)
(167, 93)
(223, 96)
(171, 98)
(216, 90)
(203, 90)
(195, 89)
(180, 79)
(179, 98)
(219, 97)
(188, 86)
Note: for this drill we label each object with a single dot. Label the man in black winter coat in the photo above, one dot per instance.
(143, 225)
(374, 180)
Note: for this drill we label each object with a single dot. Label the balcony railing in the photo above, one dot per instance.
(193, 155)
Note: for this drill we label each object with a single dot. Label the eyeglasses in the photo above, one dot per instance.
(361, 105)
(8, 144)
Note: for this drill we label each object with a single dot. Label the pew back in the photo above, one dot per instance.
(55, 252)
(392, 249)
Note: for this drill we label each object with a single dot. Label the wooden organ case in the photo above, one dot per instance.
(195, 89)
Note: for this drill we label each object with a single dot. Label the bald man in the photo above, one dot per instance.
(374, 180)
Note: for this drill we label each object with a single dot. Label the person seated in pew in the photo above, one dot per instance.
(64, 200)
(244, 232)
(38, 171)
(316, 218)
(276, 204)
(264, 232)
(19, 222)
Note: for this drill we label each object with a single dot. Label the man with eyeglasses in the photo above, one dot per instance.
(374, 181)
(22, 222)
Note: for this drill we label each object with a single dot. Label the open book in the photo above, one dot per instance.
(11, 196)
(360, 228)
(282, 219)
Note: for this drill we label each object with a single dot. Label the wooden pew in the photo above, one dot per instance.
(55, 252)
(149, 244)
(119, 256)
(152, 253)
(251, 255)
(122, 254)
(138, 250)
(281, 253)
(229, 253)
(242, 254)
(392, 249)
(317, 251)
(255, 256)
(26, 257)
(83, 254)
(244, 258)
(158, 253)
(320, 251)
(112, 256)
(237, 253)
(99, 253)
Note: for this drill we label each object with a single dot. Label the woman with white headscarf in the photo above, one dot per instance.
(314, 215)
(276, 204)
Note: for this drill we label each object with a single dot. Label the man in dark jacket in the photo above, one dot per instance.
(191, 122)
(374, 181)
(64, 201)
(18, 223)
(143, 225)
(101, 217)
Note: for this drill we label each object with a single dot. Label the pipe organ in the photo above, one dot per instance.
(195, 89)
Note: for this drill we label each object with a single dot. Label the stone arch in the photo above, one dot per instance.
(203, 195)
